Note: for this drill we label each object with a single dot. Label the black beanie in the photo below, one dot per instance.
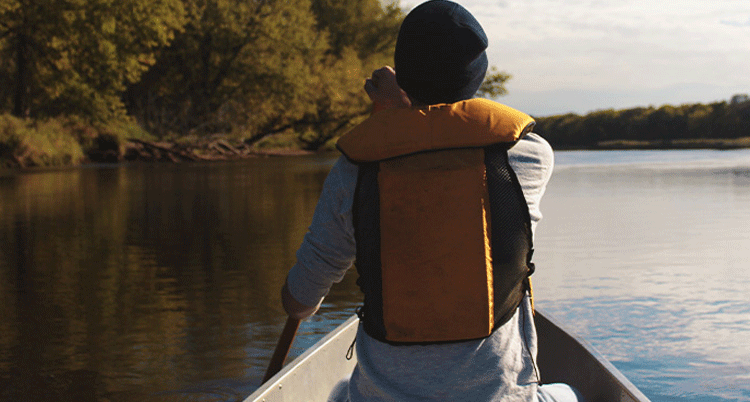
(440, 53)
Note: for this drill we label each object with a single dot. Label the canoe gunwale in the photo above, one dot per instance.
(563, 357)
(560, 348)
(277, 387)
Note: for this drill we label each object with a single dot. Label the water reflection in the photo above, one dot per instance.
(118, 283)
(161, 282)
(650, 263)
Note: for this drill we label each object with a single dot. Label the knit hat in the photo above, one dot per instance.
(440, 53)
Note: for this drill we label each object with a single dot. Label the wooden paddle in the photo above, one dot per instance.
(282, 348)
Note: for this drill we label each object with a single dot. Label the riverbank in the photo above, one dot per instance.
(216, 148)
(700, 143)
(108, 149)
(139, 150)
(64, 142)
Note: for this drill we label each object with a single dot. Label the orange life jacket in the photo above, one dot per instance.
(441, 224)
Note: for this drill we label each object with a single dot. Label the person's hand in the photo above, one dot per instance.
(294, 308)
(384, 91)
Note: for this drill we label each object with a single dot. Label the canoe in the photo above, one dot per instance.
(562, 357)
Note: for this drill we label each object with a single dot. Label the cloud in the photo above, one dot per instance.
(629, 49)
(583, 100)
(735, 23)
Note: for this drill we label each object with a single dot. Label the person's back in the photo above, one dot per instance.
(437, 198)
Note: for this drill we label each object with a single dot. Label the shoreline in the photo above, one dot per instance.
(216, 149)
(212, 149)
(661, 145)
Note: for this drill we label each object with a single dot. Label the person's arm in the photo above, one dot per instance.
(532, 159)
(328, 248)
(294, 308)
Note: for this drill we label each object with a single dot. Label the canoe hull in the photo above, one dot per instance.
(562, 358)
(312, 375)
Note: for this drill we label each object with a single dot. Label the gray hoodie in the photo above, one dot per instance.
(501, 367)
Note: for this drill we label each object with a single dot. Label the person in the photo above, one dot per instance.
(436, 197)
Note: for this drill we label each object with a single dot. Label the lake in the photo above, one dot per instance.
(151, 282)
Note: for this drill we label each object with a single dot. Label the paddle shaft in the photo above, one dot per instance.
(282, 348)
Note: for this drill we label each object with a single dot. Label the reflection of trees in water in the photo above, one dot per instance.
(147, 276)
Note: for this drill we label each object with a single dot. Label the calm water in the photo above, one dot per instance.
(160, 282)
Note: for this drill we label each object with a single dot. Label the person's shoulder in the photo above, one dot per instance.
(344, 167)
(533, 148)
(343, 175)
(535, 142)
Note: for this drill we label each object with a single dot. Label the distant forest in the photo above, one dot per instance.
(689, 125)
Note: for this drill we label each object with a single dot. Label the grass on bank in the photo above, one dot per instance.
(62, 141)
(26, 143)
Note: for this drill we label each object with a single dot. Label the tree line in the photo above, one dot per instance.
(249, 68)
(649, 126)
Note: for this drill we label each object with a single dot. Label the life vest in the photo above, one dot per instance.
(442, 228)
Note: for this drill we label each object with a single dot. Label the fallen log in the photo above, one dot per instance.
(147, 150)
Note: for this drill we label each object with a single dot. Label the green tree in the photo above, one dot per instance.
(560, 130)
(698, 117)
(361, 37)
(736, 120)
(75, 56)
(264, 67)
(238, 65)
(635, 122)
(494, 84)
(366, 26)
(666, 123)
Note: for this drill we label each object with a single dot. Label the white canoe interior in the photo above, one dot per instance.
(562, 358)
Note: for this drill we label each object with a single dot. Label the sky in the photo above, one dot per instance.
(580, 56)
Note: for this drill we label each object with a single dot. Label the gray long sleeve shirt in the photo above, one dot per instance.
(498, 368)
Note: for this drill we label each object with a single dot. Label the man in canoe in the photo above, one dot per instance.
(436, 198)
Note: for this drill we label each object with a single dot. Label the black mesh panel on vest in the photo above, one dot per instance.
(511, 233)
(366, 212)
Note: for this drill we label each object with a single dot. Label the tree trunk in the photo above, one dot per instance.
(20, 96)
